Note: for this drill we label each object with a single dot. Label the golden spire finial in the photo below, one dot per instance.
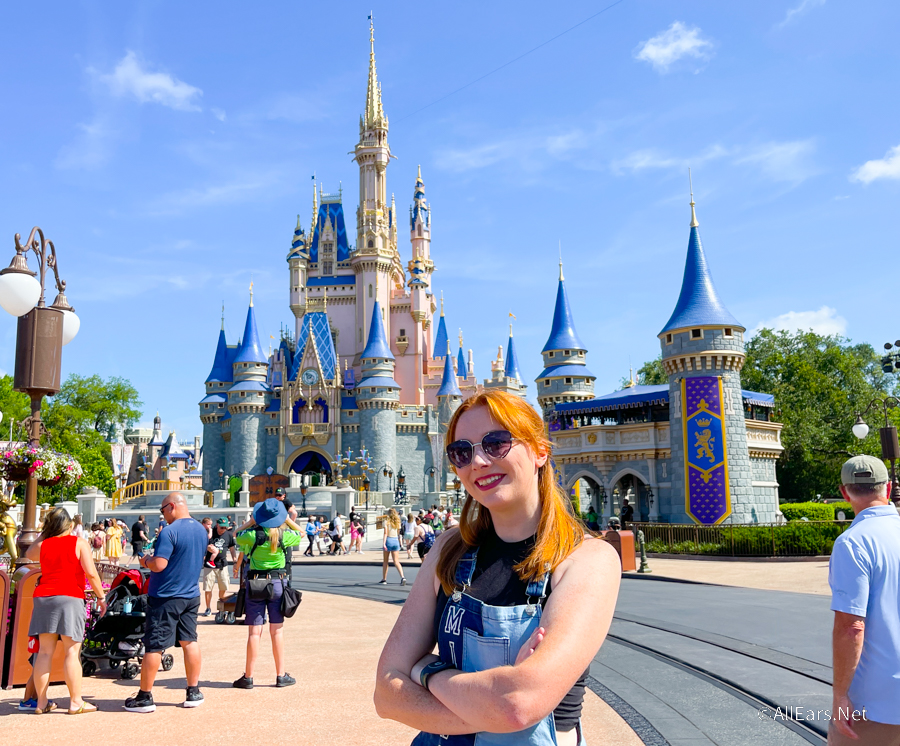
(298, 221)
(251, 293)
(561, 278)
(694, 222)
(223, 315)
(442, 302)
(420, 172)
(460, 338)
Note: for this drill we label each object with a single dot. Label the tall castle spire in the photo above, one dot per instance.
(441, 339)
(449, 386)
(374, 116)
(512, 360)
(562, 332)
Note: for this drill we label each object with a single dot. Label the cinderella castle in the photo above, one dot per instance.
(367, 368)
(367, 375)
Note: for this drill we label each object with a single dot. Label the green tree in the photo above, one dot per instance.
(89, 403)
(819, 383)
(650, 373)
(15, 407)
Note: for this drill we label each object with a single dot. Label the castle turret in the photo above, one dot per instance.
(378, 395)
(461, 368)
(212, 409)
(565, 377)
(703, 353)
(506, 376)
(449, 398)
(247, 400)
(298, 266)
(441, 340)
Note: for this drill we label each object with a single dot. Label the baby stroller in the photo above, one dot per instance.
(118, 635)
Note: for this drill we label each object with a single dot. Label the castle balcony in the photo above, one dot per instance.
(320, 431)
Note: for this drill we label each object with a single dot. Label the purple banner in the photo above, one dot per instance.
(707, 493)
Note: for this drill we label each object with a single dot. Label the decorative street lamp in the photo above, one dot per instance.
(890, 448)
(429, 473)
(42, 332)
(456, 486)
(365, 485)
(650, 495)
(303, 491)
(603, 498)
(400, 493)
(221, 479)
(388, 472)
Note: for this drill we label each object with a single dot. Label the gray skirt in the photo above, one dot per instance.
(58, 615)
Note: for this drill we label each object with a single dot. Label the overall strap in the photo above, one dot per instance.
(538, 588)
(465, 570)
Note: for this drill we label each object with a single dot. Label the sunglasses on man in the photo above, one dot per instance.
(162, 508)
(495, 445)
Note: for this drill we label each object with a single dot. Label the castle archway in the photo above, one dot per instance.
(587, 484)
(630, 484)
(309, 461)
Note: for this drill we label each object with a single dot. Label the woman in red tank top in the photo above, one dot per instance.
(59, 612)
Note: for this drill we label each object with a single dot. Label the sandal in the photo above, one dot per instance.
(85, 708)
(51, 706)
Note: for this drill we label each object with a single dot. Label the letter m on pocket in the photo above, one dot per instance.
(454, 620)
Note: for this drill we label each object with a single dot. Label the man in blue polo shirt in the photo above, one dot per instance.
(864, 575)
(173, 599)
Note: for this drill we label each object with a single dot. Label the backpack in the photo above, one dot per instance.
(262, 537)
(428, 541)
(97, 541)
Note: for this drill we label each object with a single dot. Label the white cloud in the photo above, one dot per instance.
(793, 13)
(824, 321)
(650, 158)
(130, 78)
(218, 114)
(886, 168)
(238, 190)
(673, 44)
(782, 161)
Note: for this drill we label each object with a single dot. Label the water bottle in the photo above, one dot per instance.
(126, 608)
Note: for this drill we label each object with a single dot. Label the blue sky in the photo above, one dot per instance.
(167, 148)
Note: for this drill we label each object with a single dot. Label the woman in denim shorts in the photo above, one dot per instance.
(263, 539)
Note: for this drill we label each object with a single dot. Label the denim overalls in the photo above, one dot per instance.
(474, 636)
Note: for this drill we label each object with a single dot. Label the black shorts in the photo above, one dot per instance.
(169, 621)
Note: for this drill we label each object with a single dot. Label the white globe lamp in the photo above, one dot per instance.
(19, 291)
(860, 429)
(71, 325)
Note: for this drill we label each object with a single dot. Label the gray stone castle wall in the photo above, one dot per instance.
(247, 446)
(414, 455)
(744, 502)
(213, 455)
(378, 430)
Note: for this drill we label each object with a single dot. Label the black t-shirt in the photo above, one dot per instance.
(222, 543)
(497, 584)
(136, 532)
(287, 503)
(627, 513)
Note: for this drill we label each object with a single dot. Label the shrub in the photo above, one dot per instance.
(846, 507)
(792, 539)
(810, 511)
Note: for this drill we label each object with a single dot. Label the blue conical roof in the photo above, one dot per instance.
(441, 340)
(461, 366)
(377, 345)
(563, 335)
(221, 370)
(512, 360)
(698, 304)
(250, 351)
(449, 386)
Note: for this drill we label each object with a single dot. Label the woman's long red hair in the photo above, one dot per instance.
(559, 532)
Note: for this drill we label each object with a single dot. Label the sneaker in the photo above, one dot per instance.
(208, 612)
(245, 682)
(194, 697)
(28, 705)
(402, 581)
(382, 582)
(286, 680)
(211, 564)
(141, 702)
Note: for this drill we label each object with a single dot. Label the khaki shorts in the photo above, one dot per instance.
(213, 575)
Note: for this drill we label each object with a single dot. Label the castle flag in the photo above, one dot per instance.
(707, 491)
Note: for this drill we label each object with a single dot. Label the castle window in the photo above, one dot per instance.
(696, 334)
(371, 391)
(727, 332)
(551, 354)
(668, 339)
(568, 380)
(580, 353)
(206, 406)
(419, 229)
(326, 268)
(370, 290)
(546, 382)
(370, 244)
(243, 393)
(403, 332)
(567, 353)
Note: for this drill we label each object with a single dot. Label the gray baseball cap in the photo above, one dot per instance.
(864, 470)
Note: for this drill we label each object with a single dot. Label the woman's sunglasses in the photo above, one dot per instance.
(495, 445)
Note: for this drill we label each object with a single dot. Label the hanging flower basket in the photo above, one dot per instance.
(50, 467)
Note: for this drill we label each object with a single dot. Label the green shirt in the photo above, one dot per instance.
(263, 558)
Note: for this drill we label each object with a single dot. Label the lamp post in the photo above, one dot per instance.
(429, 473)
(890, 448)
(603, 498)
(388, 472)
(303, 490)
(365, 485)
(42, 332)
(456, 486)
(221, 479)
(400, 494)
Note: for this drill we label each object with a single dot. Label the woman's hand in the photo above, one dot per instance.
(527, 650)
(101, 604)
(423, 661)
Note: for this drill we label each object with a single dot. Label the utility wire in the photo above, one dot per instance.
(515, 59)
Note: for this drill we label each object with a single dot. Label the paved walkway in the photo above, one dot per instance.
(333, 646)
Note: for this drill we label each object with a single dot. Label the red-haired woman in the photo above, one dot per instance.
(518, 598)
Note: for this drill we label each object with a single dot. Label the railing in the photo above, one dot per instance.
(138, 489)
(356, 482)
(793, 539)
(308, 429)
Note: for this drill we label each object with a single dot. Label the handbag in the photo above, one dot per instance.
(290, 600)
(240, 602)
(260, 589)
